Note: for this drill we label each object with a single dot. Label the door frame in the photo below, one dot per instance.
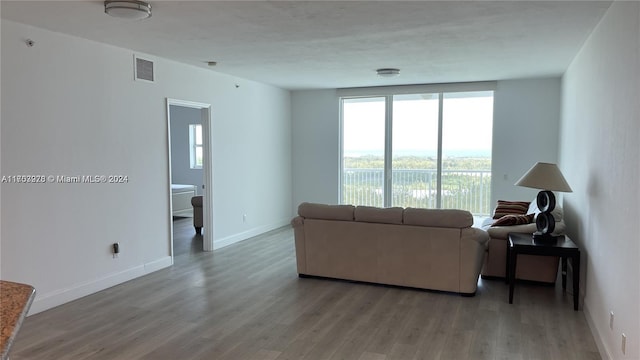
(207, 170)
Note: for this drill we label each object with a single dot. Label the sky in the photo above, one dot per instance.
(467, 125)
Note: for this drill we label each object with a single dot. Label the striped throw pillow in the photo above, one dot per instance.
(510, 208)
(509, 220)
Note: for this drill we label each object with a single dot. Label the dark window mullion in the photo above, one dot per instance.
(439, 164)
(388, 155)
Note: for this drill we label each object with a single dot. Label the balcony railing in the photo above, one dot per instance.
(461, 189)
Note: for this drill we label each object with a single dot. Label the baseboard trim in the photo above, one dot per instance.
(226, 241)
(47, 301)
(602, 348)
(158, 264)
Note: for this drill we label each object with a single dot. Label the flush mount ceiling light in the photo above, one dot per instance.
(128, 9)
(389, 72)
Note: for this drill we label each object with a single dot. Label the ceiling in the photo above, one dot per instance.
(336, 44)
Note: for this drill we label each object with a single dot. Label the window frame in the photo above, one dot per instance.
(194, 145)
(388, 92)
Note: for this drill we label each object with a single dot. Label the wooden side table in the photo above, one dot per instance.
(562, 246)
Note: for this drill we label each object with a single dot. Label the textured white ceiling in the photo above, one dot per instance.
(335, 44)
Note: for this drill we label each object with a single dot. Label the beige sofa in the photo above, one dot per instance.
(421, 248)
(529, 267)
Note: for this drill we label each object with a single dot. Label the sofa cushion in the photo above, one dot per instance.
(438, 217)
(326, 212)
(372, 214)
(509, 220)
(510, 207)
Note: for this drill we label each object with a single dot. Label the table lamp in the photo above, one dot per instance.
(548, 178)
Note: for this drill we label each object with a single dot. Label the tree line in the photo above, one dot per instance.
(419, 163)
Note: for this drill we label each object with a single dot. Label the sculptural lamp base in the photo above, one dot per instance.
(540, 238)
(545, 222)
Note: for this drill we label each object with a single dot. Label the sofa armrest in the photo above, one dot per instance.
(297, 221)
(502, 232)
(196, 201)
(474, 234)
(473, 245)
(300, 244)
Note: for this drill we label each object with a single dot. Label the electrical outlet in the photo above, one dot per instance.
(115, 249)
(624, 343)
(611, 320)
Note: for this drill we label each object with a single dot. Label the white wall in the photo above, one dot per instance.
(70, 107)
(600, 156)
(316, 145)
(181, 171)
(526, 116)
(525, 131)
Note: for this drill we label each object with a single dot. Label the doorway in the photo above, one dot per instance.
(196, 158)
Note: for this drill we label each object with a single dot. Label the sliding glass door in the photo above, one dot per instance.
(414, 161)
(418, 150)
(363, 135)
(467, 127)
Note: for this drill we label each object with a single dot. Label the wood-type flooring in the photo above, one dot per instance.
(245, 301)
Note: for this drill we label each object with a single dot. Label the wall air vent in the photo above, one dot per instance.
(143, 69)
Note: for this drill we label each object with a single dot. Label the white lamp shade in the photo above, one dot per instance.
(544, 176)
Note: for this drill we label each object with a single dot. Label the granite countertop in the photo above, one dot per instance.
(15, 300)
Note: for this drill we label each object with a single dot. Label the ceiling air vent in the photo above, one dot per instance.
(143, 69)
